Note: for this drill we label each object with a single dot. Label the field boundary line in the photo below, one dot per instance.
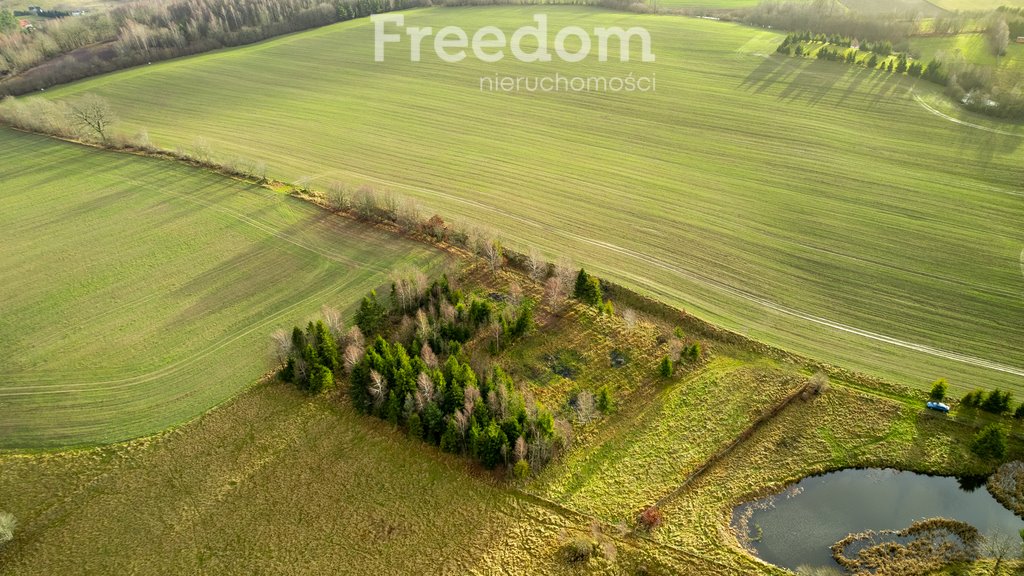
(724, 451)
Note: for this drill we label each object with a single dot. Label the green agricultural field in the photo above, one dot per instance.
(138, 292)
(816, 206)
(971, 47)
(717, 4)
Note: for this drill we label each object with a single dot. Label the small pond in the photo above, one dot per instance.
(797, 526)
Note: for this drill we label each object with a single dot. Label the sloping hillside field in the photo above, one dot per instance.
(812, 205)
(138, 293)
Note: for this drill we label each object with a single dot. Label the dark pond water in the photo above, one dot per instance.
(797, 527)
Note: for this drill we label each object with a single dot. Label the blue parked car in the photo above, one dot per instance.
(939, 406)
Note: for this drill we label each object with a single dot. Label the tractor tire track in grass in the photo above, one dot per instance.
(945, 116)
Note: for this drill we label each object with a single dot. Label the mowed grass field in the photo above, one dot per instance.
(139, 292)
(812, 205)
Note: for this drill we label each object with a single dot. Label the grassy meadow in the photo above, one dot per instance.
(972, 47)
(811, 205)
(139, 292)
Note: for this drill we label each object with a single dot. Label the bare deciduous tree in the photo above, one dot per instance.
(520, 449)
(492, 252)
(409, 215)
(338, 196)
(353, 355)
(281, 343)
(333, 321)
(378, 388)
(998, 36)
(354, 337)
(629, 317)
(585, 407)
(428, 356)
(93, 114)
(999, 547)
(496, 332)
(554, 295)
(470, 396)
(515, 294)
(675, 349)
(447, 311)
(461, 421)
(535, 264)
(425, 393)
(422, 324)
(565, 271)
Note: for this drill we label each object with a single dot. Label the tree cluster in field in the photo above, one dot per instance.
(421, 379)
(881, 48)
(994, 402)
(988, 90)
(150, 31)
(423, 382)
(313, 358)
(869, 58)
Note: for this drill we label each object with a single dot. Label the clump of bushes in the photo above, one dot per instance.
(578, 550)
(816, 386)
(1007, 485)
(650, 518)
(990, 442)
(588, 290)
(994, 402)
(312, 358)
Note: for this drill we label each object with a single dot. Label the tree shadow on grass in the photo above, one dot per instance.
(813, 83)
(771, 71)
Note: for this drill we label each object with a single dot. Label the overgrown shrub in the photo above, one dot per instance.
(650, 518)
(990, 442)
(578, 550)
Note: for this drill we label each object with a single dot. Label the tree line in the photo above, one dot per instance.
(981, 89)
(150, 31)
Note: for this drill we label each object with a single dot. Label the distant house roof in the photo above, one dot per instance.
(1020, 39)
